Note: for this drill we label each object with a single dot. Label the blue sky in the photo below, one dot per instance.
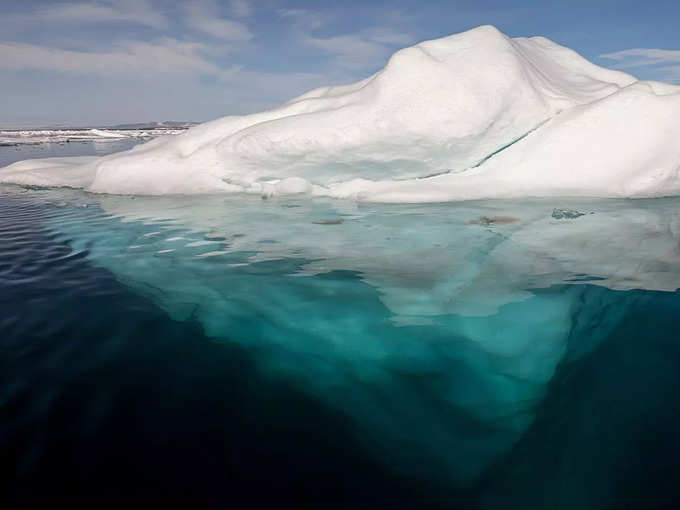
(111, 61)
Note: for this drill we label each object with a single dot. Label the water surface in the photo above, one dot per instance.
(209, 350)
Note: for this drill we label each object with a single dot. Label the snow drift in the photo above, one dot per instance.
(472, 115)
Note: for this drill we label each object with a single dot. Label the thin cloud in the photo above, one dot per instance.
(203, 16)
(359, 50)
(638, 57)
(670, 73)
(661, 64)
(166, 56)
(365, 49)
(138, 12)
(154, 60)
(303, 18)
(240, 8)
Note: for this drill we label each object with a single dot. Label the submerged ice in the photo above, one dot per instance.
(473, 115)
(434, 332)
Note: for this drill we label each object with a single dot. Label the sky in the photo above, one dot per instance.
(103, 62)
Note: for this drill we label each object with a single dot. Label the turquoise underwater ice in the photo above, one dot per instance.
(435, 328)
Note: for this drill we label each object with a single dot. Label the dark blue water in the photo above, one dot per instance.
(172, 353)
(106, 401)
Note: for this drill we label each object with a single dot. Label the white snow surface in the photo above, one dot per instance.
(473, 115)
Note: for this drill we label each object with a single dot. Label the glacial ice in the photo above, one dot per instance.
(470, 116)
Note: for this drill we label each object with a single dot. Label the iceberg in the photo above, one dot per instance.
(471, 116)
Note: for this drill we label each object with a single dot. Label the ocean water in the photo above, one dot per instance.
(227, 350)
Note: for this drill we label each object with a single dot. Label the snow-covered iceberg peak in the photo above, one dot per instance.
(472, 115)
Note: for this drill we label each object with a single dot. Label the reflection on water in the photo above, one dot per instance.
(494, 354)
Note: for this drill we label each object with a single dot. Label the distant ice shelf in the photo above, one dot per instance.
(42, 136)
